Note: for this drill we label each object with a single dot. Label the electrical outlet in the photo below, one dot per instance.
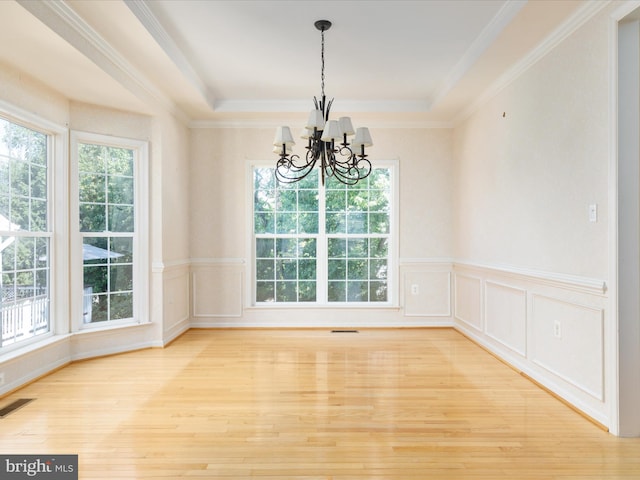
(557, 331)
(414, 289)
(1, 378)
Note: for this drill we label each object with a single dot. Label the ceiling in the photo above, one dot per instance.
(223, 62)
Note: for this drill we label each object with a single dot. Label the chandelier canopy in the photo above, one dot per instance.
(327, 146)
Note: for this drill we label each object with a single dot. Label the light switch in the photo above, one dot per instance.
(593, 212)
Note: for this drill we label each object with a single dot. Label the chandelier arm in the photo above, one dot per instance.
(348, 171)
(288, 170)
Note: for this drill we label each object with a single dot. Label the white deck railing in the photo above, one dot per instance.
(24, 319)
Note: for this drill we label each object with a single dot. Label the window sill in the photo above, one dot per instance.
(298, 306)
(96, 328)
(16, 351)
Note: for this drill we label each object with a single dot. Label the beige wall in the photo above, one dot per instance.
(532, 279)
(524, 181)
(219, 198)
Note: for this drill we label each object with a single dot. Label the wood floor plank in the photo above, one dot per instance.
(309, 404)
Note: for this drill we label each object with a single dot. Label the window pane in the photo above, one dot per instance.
(265, 269)
(119, 161)
(265, 291)
(286, 247)
(92, 158)
(379, 247)
(286, 292)
(307, 291)
(358, 247)
(96, 278)
(357, 291)
(336, 223)
(265, 247)
(286, 269)
(307, 269)
(264, 179)
(121, 278)
(120, 218)
(92, 188)
(264, 223)
(92, 218)
(337, 269)
(287, 223)
(121, 249)
(39, 182)
(120, 190)
(121, 306)
(378, 269)
(337, 291)
(308, 223)
(308, 200)
(98, 309)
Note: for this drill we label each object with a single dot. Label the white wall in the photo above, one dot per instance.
(531, 271)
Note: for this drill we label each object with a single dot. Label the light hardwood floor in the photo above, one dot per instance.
(311, 404)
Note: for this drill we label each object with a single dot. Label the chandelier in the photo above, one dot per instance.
(327, 142)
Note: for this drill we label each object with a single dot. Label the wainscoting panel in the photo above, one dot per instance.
(467, 300)
(549, 326)
(217, 290)
(176, 311)
(561, 327)
(506, 316)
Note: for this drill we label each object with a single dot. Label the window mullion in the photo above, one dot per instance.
(322, 252)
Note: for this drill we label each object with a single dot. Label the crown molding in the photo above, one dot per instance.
(342, 105)
(247, 123)
(584, 14)
(141, 9)
(508, 11)
(63, 20)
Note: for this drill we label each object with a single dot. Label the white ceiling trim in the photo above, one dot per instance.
(150, 22)
(575, 21)
(299, 106)
(63, 20)
(508, 11)
(404, 124)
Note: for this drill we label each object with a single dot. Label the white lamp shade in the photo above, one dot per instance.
(362, 138)
(345, 125)
(283, 137)
(332, 131)
(316, 120)
(306, 133)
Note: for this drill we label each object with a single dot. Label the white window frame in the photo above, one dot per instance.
(57, 232)
(392, 273)
(141, 247)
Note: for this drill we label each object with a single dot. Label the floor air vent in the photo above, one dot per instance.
(13, 406)
(344, 331)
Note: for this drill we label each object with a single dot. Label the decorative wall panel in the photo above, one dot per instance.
(506, 316)
(467, 300)
(567, 339)
(217, 290)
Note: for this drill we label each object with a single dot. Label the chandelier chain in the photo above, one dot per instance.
(322, 60)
